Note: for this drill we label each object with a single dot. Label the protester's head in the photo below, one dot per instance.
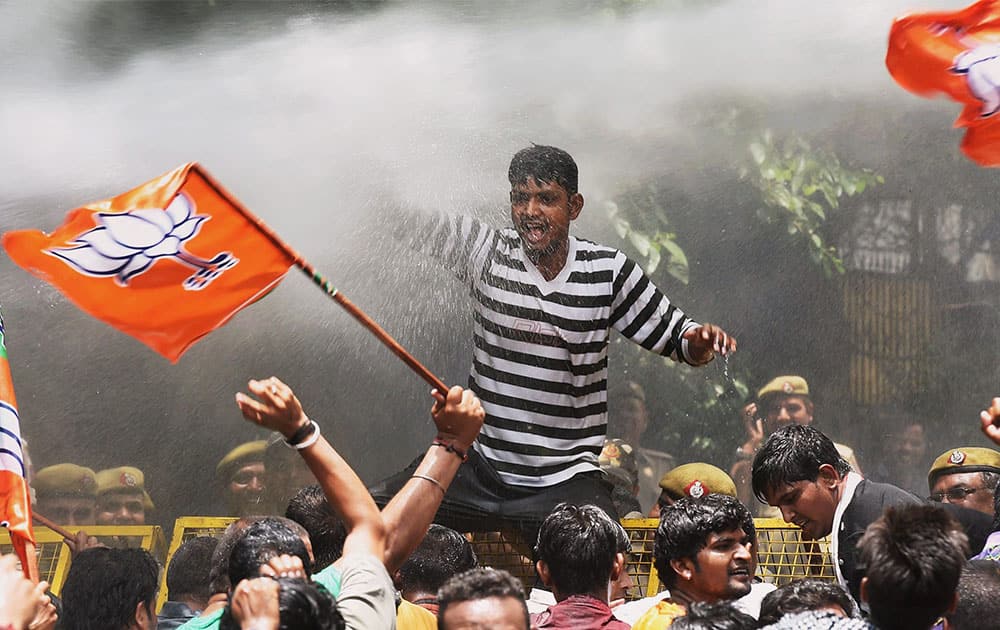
(482, 598)
(577, 550)
(912, 557)
(302, 605)
(965, 476)
(978, 590)
(784, 401)
(261, 541)
(693, 480)
(806, 594)
(799, 471)
(628, 416)
(543, 198)
(310, 509)
(66, 494)
(717, 616)
(110, 589)
(241, 474)
(218, 575)
(701, 548)
(622, 585)
(188, 573)
(121, 496)
(442, 554)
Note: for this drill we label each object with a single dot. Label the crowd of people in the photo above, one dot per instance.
(528, 448)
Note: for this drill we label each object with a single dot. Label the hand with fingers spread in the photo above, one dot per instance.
(990, 421)
(254, 604)
(706, 340)
(458, 416)
(284, 566)
(755, 431)
(277, 409)
(18, 597)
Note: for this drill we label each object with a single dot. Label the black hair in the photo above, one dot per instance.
(218, 575)
(104, 586)
(442, 553)
(791, 454)
(579, 544)
(805, 594)
(261, 541)
(686, 525)
(544, 164)
(717, 616)
(977, 596)
(913, 557)
(190, 566)
(476, 584)
(311, 509)
(996, 510)
(302, 605)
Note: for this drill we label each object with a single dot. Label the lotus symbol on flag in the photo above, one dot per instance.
(126, 244)
(981, 67)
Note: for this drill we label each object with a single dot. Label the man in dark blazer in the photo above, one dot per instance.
(799, 471)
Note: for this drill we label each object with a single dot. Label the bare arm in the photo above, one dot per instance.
(279, 410)
(408, 515)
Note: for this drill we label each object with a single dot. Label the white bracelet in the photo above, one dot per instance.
(309, 441)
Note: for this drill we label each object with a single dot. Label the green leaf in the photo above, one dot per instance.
(621, 227)
(653, 261)
(640, 242)
(757, 153)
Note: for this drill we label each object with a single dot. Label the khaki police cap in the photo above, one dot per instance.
(786, 386)
(963, 460)
(246, 452)
(123, 478)
(696, 480)
(65, 480)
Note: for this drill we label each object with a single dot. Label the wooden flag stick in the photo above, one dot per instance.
(330, 290)
(65, 533)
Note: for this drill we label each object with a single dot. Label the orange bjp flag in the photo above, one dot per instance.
(956, 54)
(167, 262)
(15, 501)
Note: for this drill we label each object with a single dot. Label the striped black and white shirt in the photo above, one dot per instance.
(540, 361)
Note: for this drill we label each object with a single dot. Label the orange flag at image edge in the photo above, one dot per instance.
(15, 502)
(167, 262)
(956, 54)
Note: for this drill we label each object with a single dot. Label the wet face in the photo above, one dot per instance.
(121, 508)
(246, 488)
(964, 489)
(782, 411)
(72, 511)
(498, 613)
(808, 504)
(541, 213)
(721, 570)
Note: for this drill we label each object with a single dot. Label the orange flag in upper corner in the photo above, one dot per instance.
(167, 262)
(957, 54)
(15, 501)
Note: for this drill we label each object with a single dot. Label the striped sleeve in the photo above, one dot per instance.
(645, 315)
(460, 243)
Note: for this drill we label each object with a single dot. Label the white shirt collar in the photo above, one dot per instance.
(851, 482)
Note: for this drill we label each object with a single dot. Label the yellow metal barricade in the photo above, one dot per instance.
(54, 557)
(186, 528)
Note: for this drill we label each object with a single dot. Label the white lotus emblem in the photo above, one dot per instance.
(126, 244)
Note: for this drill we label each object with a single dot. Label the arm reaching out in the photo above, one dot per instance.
(707, 340)
(278, 409)
(458, 417)
(990, 421)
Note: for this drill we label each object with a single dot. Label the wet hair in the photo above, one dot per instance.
(104, 586)
(442, 553)
(686, 525)
(476, 584)
(717, 616)
(311, 509)
(579, 544)
(977, 596)
(912, 557)
(187, 575)
(302, 605)
(791, 454)
(261, 541)
(805, 594)
(544, 164)
(218, 575)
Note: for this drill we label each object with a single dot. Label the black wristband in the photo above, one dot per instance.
(300, 434)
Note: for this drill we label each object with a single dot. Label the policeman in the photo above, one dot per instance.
(121, 497)
(693, 480)
(965, 476)
(66, 494)
(241, 474)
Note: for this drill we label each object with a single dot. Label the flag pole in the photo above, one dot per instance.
(328, 288)
(65, 533)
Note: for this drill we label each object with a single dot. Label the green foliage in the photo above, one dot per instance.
(800, 187)
(653, 247)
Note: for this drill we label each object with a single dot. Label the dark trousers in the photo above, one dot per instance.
(479, 501)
